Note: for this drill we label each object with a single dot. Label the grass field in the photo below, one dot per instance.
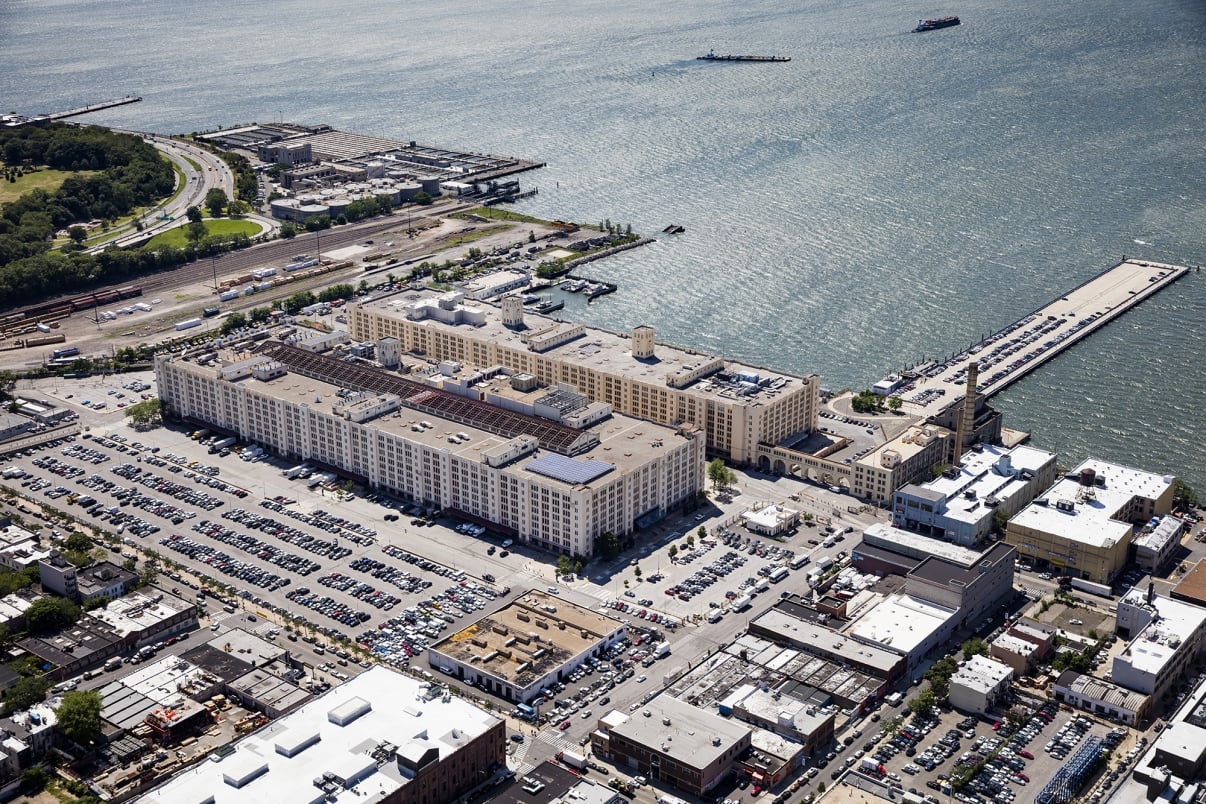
(175, 237)
(497, 214)
(48, 180)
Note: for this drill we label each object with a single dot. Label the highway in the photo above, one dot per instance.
(170, 214)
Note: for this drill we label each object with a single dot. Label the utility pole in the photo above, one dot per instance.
(213, 261)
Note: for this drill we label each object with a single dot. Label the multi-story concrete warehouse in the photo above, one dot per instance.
(737, 406)
(556, 482)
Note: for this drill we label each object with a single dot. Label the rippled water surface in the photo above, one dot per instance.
(883, 197)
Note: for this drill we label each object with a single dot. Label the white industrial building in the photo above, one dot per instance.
(381, 737)
(965, 503)
(979, 684)
(1165, 641)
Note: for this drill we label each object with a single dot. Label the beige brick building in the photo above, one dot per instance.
(738, 407)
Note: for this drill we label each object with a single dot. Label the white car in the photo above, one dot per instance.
(641, 678)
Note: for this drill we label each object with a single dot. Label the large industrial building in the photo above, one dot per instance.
(737, 406)
(558, 480)
(1082, 526)
(526, 646)
(1166, 638)
(965, 503)
(674, 743)
(381, 737)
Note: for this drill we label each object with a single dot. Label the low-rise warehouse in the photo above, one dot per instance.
(526, 646)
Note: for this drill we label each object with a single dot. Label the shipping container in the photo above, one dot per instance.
(189, 324)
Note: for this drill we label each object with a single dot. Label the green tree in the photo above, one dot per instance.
(51, 614)
(193, 214)
(975, 647)
(565, 565)
(215, 201)
(79, 716)
(259, 315)
(608, 545)
(720, 475)
(895, 403)
(78, 235)
(422, 198)
(195, 231)
(28, 691)
(1183, 495)
(232, 322)
(673, 551)
(77, 542)
(924, 702)
(636, 571)
(288, 230)
(148, 411)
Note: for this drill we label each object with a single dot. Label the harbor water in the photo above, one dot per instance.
(882, 198)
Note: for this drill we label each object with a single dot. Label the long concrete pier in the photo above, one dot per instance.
(1010, 354)
(94, 107)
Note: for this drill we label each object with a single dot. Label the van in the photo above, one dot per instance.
(229, 609)
(507, 543)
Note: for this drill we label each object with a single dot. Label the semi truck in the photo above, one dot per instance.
(222, 443)
(295, 471)
(1099, 589)
(663, 649)
(742, 603)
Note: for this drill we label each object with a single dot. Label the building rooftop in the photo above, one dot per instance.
(604, 350)
(443, 419)
(987, 473)
(1174, 623)
(527, 638)
(1103, 691)
(899, 623)
(1191, 587)
(686, 733)
(981, 674)
(547, 783)
(140, 611)
(1157, 537)
(1088, 513)
(102, 575)
(914, 545)
(367, 733)
(950, 573)
(827, 641)
(73, 644)
(1013, 644)
(13, 606)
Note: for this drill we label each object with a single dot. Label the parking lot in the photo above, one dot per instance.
(999, 760)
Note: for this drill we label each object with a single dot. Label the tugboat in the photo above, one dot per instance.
(549, 306)
(935, 24)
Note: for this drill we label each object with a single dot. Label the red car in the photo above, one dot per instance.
(563, 725)
(1024, 753)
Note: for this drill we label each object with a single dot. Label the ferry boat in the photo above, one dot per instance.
(549, 306)
(935, 24)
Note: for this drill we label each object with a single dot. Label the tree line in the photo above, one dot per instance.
(130, 174)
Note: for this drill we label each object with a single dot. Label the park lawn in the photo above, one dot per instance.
(42, 178)
(220, 226)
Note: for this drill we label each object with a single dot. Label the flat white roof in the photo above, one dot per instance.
(908, 543)
(1155, 645)
(378, 706)
(769, 516)
(981, 674)
(1090, 520)
(678, 729)
(827, 641)
(900, 622)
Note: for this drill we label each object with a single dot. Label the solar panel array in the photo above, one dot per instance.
(574, 471)
(417, 396)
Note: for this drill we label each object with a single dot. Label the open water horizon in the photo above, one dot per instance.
(881, 198)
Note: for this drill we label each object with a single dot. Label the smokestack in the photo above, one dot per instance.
(1151, 591)
(966, 426)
